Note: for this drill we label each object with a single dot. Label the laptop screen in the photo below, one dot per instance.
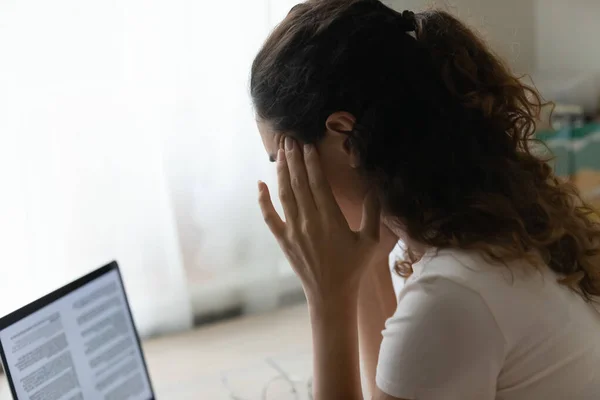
(76, 343)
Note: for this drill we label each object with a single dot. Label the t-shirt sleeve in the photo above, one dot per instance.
(441, 343)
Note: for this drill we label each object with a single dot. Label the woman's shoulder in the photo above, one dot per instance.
(459, 310)
(502, 285)
(440, 324)
(476, 271)
(520, 296)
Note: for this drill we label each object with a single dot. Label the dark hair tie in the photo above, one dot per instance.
(408, 22)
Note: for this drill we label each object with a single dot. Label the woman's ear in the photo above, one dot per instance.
(339, 125)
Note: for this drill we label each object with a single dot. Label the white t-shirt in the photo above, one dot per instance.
(467, 329)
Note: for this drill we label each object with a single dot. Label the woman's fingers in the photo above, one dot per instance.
(321, 191)
(299, 179)
(371, 217)
(270, 215)
(286, 194)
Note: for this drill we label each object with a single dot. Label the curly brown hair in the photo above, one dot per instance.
(443, 129)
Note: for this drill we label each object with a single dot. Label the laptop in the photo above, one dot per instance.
(77, 343)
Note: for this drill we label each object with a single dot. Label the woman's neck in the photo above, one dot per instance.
(418, 249)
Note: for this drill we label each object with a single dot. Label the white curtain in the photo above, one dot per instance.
(215, 158)
(128, 133)
(87, 92)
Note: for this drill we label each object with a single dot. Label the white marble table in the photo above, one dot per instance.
(245, 352)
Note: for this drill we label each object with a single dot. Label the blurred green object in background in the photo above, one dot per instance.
(559, 143)
(577, 157)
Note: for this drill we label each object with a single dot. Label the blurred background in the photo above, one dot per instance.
(128, 133)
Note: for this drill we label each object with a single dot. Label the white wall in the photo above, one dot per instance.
(567, 57)
(554, 41)
(567, 34)
(509, 32)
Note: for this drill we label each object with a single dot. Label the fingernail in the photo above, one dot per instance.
(289, 143)
(307, 148)
(280, 155)
(259, 186)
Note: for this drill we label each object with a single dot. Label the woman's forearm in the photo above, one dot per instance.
(376, 303)
(335, 349)
(336, 328)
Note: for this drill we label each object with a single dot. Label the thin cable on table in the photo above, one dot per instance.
(282, 375)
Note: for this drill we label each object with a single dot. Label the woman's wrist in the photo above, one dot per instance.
(333, 306)
(334, 325)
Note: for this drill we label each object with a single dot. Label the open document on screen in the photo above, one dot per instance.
(81, 346)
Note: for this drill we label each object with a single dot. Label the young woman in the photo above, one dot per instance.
(389, 126)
